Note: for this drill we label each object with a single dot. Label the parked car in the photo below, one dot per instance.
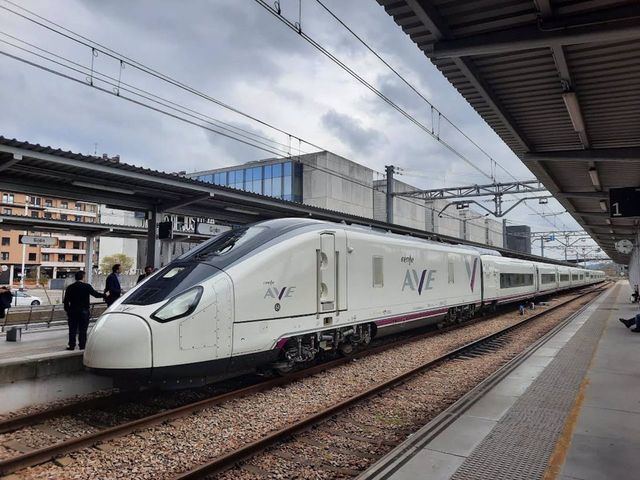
(22, 298)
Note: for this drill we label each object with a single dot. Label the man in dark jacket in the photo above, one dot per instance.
(148, 271)
(5, 300)
(112, 288)
(76, 304)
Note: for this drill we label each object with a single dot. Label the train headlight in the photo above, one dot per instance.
(179, 306)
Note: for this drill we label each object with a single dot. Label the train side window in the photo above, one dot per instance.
(450, 269)
(378, 273)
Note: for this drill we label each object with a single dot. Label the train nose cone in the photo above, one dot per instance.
(119, 341)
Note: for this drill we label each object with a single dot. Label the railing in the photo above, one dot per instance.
(43, 315)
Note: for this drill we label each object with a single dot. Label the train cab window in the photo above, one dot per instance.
(378, 272)
(227, 242)
(450, 269)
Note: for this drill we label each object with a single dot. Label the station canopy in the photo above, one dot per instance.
(41, 170)
(557, 80)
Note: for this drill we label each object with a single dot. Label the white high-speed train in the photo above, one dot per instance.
(279, 293)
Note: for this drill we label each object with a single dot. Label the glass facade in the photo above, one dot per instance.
(280, 180)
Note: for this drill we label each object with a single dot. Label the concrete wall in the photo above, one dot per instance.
(495, 235)
(352, 194)
(407, 211)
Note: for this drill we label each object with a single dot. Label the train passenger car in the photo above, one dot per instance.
(575, 277)
(509, 280)
(547, 278)
(282, 290)
(564, 277)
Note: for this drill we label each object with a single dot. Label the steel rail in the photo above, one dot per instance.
(228, 460)
(44, 454)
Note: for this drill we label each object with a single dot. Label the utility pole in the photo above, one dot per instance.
(542, 246)
(389, 170)
(24, 245)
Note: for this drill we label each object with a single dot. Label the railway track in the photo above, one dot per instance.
(474, 350)
(44, 454)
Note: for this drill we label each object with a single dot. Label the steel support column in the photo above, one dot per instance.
(153, 244)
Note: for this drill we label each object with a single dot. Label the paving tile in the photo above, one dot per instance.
(492, 406)
(462, 436)
(429, 464)
(597, 458)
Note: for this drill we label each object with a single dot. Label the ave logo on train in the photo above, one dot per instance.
(420, 280)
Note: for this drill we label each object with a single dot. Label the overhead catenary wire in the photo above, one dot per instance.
(118, 86)
(128, 61)
(414, 89)
(89, 43)
(368, 85)
(277, 14)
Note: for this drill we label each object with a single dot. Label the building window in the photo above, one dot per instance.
(6, 241)
(61, 257)
(76, 245)
(35, 214)
(5, 255)
(63, 216)
(75, 258)
(47, 215)
(45, 257)
(32, 257)
(7, 198)
(378, 272)
(220, 178)
(64, 204)
(7, 211)
(35, 201)
(236, 179)
(48, 203)
(276, 180)
(62, 244)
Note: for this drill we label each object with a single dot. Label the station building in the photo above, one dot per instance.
(62, 259)
(327, 180)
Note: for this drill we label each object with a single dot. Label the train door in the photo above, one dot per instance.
(331, 273)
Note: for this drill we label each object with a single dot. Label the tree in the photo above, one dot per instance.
(126, 263)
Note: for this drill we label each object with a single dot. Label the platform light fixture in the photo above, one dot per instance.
(595, 178)
(106, 188)
(240, 210)
(573, 107)
(603, 205)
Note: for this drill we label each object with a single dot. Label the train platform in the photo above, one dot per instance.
(568, 409)
(38, 369)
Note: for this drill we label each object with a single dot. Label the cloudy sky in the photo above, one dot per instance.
(236, 52)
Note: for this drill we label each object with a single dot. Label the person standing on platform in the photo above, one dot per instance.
(148, 271)
(76, 304)
(5, 300)
(112, 289)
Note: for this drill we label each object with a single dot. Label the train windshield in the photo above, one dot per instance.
(171, 280)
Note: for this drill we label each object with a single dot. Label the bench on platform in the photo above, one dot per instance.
(42, 315)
